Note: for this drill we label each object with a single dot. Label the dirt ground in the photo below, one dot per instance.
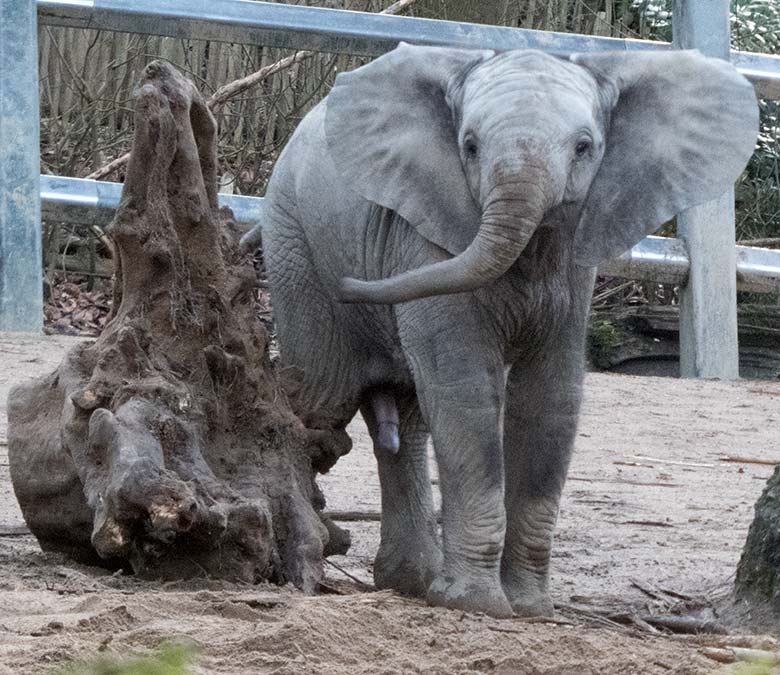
(651, 515)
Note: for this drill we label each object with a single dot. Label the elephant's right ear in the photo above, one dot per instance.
(390, 131)
(682, 129)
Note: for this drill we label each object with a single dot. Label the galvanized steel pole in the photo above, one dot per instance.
(21, 293)
(708, 302)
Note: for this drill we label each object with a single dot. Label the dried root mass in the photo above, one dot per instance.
(168, 444)
(757, 582)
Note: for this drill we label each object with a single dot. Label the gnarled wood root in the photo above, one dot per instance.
(168, 444)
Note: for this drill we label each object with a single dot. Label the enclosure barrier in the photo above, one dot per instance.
(708, 267)
(661, 259)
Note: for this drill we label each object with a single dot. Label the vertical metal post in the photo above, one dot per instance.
(708, 303)
(21, 288)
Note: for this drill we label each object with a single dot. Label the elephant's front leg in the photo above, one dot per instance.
(465, 418)
(542, 408)
(460, 386)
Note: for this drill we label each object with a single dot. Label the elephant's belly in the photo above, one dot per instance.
(340, 350)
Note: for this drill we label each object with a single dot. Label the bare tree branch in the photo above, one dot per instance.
(228, 91)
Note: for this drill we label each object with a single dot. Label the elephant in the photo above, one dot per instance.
(431, 233)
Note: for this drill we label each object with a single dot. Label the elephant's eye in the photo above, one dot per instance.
(470, 148)
(582, 148)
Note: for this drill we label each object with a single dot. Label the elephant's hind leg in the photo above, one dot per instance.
(409, 557)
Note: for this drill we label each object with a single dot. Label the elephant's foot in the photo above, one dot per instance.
(528, 604)
(409, 567)
(527, 593)
(478, 595)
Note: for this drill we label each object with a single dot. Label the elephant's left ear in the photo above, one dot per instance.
(391, 132)
(682, 129)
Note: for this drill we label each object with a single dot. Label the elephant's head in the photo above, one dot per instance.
(474, 147)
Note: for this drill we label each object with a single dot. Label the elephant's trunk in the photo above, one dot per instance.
(513, 210)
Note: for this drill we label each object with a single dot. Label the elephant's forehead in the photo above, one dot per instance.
(533, 73)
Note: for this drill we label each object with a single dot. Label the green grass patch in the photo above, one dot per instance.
(169, 660)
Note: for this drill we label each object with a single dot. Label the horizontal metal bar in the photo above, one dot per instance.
(342, 31)
(758, 269)
(660, 259)
(80, 200)
(665, 260)
(301, 27)
(762, 70)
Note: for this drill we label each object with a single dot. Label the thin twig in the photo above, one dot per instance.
(83, 89)
(231, 89)
(360, 516)
(353, 516)
(651, 592)
(628, 619)
(685, 624)
(645, 466)
(768, 242)
(749, 460)
(397, 6)
(108, 169)
(591, 616)
(612, 291)
(363, 584)
(623, 482)
(732, 654)
(14, 531)
(543, 619)
(672, 461)
(500, 629)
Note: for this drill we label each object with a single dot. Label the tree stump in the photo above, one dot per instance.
(169, 444)
(758, 573)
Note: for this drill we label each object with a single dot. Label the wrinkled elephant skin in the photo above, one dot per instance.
(431, 235)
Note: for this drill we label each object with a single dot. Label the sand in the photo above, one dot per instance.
(649, 504)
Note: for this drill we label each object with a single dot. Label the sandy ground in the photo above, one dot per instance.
(649, 504)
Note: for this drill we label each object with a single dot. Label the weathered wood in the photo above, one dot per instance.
(14, 531)
(757, 657)
(168, 444)
(657, 460)
(750, 460)
(688, 625)
(645, 340)
(360, 516)
(758, 574)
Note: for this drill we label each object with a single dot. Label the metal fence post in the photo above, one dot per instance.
(708, 302)
(21, 291)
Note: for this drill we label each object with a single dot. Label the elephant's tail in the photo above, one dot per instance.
(251, 241)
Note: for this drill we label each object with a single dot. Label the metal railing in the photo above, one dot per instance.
(661, 259)
(709, 299)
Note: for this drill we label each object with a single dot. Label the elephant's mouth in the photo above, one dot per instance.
(552, 244)
(538, 257)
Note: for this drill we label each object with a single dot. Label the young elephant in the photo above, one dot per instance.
(431, 232)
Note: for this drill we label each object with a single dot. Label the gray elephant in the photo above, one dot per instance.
(431, 235)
